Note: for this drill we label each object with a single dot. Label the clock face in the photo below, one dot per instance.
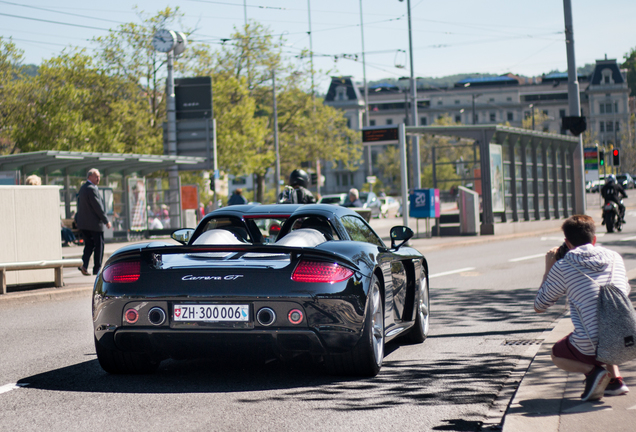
(164, 40)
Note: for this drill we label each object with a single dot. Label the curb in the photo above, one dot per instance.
(45, 294)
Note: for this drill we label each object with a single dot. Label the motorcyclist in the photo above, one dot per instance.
(612, 191)
(297, 192)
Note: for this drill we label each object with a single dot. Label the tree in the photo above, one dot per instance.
(630, 65)
(389, 165)
(11, 72)
(72, 105)
(535, 120)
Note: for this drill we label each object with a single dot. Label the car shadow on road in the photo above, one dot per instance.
(443, 381)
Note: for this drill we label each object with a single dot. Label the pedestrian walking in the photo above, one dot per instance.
(91, 219)
(237, 198)
(575, 270)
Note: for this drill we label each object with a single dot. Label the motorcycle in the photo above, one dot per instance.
(612, 217)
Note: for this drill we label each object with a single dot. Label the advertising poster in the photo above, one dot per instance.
(497, 178)
(137, 204)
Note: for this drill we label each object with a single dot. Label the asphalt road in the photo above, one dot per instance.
(482, 330)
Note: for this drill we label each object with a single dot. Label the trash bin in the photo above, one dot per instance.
(468, 211)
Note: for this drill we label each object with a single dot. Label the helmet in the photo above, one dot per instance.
(610, 179)
(299, 178)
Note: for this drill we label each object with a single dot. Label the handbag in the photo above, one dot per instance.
(616, 323)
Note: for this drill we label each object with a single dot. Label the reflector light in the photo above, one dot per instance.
(131, 316)
(295, 316)
(123, 272)
(322, 272)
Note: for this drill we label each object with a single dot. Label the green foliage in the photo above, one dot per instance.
(389, 165)
(72, 105)
(539, 119)
(630, 65)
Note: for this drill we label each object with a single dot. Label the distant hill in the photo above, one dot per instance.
(450, 80)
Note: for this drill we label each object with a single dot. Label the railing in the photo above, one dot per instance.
(37, 265)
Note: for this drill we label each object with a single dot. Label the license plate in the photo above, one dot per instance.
(212, 313)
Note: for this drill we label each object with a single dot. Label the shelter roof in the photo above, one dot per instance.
(69, 162)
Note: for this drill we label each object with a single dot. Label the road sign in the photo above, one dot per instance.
(380, 135)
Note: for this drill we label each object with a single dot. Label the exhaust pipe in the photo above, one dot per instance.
(266, 316)
(156, 316)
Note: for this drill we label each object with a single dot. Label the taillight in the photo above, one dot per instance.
(312, 271)
(123, 272)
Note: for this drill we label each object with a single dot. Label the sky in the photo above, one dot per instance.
(451, 37)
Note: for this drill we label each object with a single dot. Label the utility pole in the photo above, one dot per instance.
(364, 72)
(415, 140)
(574, 102)
(311, 49)
(173, 171)
(277, 175)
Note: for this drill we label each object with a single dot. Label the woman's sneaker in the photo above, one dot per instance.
(616, 387)
(595, 383)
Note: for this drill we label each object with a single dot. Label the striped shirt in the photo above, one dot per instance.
(581, 292)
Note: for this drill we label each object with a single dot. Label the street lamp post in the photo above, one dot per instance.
(415, 140)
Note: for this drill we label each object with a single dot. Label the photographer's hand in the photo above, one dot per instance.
(550, 259)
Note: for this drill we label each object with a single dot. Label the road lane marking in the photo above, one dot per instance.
(451, 272)
(527, 257)
(12, 386)
(629, 238)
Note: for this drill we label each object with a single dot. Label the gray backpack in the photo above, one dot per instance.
(616, 324)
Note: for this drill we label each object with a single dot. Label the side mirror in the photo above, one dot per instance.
(400, 233)
(183, 236)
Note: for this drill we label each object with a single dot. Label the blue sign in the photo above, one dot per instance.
(424, 203)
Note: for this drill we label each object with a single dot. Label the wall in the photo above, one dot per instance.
(30, 230)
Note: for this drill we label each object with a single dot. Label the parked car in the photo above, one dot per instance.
(595, 186)
(337, 199)
(625, 180)
(390, 207)
(327, 286)
(369, 201)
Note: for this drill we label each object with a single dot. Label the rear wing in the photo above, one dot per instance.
(149, 253)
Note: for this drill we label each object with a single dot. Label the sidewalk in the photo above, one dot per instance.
(549, 399)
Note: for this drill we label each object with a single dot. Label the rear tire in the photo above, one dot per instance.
(365, 359)
(122, 362)
(419, 331)
(609, 223)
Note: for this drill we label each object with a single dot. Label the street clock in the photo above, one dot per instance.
(164, 40)
(180, 46)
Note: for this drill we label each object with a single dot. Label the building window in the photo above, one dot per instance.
(561, 113)
(475, 118)
(509, 99)
(389, 121)
(545, 113)
(616, 107)
(618, 126)
(439, 102)
(371, 122)
(602, 108)
(239, 181)
(602, 127)
(456, 101)
(493, 117)
(546, 129)
(491, 100)
(458, 118)
(423, 121)
(609, 127)
(511, 116)
(606, 108)
(349, 122)
(341, 93)
(527, 114)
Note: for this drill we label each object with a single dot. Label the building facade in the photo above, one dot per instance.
(506, 99)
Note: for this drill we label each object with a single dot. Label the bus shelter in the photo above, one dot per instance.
(522, 175)
(131, 199)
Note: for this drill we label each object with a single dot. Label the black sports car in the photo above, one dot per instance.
(296, 278)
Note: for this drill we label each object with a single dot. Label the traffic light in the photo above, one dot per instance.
(212, 184)
(616, 157)
(601, 158)
(314, 179)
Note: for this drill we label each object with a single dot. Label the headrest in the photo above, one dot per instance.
(217, 237)
(305, 237)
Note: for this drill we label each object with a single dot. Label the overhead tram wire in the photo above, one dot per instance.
(61, 13)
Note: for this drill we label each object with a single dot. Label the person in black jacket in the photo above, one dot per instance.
(612, 191)
(91, 219)
(297, 192)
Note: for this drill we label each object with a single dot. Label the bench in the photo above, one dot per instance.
(38, 265)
